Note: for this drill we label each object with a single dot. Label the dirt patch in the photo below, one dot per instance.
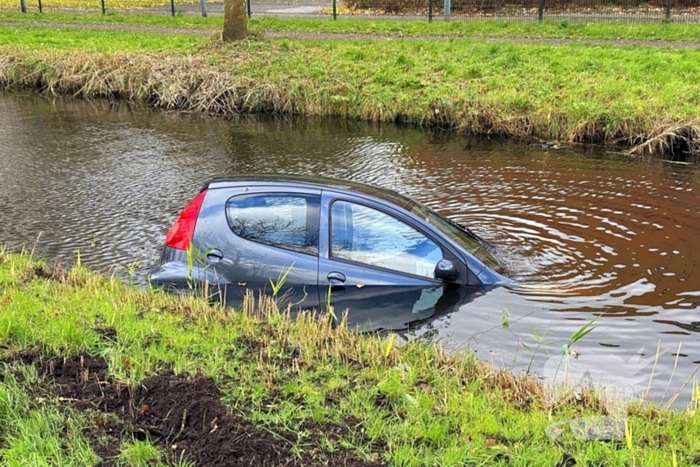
(107, 333)
(55, 273)
(182, 415)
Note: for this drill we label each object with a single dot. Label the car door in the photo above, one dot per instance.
(264, 239)
(398, 308)
(366, 245)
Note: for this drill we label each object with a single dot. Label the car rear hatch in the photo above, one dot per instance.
(176, 268)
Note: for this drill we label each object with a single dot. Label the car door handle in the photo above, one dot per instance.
(215, 255)
(336, 277)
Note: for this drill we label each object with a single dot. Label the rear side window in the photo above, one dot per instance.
(288, 221)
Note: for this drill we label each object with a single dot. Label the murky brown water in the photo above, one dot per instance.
(583, 233)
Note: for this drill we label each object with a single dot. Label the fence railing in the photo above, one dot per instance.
(685, 11)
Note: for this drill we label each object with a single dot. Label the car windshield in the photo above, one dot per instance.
(462, 235)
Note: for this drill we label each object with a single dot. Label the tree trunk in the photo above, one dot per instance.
(235, 20)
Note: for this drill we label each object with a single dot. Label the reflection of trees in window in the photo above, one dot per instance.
(368, 236)
(275, 220)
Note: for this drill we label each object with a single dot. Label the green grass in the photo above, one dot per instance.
(163, 20)
(29, 38)
(140, 454)
(482, 28)
(83, 5)
(36, 434)
(474, 29)
(416, 405)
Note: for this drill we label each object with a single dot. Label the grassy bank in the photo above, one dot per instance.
(640, 97)
(312, 391)
(475, 29)
(505, 29)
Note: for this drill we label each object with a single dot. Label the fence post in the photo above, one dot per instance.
(203, 4)
(247, 5)
(448, 8)
(430, 11)
(22, 6)
(668, 10)
(102, 4)
(172, 7)
(41, 10)
(335, 14)
(540, 11)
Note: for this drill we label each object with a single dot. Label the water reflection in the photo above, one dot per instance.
(582, 233)
(401, 308)
(368, 308)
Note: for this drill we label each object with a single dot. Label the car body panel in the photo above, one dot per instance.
(249, 265)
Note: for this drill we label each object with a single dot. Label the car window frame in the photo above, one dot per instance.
(290, 193)
(395, 214)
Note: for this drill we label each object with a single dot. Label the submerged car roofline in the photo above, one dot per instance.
(301, 181)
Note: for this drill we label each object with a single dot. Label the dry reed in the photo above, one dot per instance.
(672, 139)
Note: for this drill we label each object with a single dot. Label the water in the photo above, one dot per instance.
(583, 233)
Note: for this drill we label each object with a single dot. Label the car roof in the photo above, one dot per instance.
(313, 182)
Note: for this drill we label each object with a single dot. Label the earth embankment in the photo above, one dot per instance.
(638, 95)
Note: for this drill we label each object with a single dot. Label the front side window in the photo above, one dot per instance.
(368, 236)
(288, 221)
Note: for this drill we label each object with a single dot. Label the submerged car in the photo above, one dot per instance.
(311, 235)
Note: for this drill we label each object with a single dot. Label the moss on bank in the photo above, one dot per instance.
(642, 98)
(410, 405)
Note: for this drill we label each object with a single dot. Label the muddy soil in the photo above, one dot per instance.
(182, 415)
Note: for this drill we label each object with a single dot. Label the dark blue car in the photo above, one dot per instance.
(365, 245)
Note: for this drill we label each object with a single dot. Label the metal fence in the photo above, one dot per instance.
(677, 11)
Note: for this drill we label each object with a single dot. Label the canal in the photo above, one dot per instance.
(582, 232)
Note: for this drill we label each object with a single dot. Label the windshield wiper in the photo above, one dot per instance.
(471, 234)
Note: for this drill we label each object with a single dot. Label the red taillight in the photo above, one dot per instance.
(180, 235)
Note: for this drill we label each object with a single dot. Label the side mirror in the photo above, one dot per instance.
(446, 270)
